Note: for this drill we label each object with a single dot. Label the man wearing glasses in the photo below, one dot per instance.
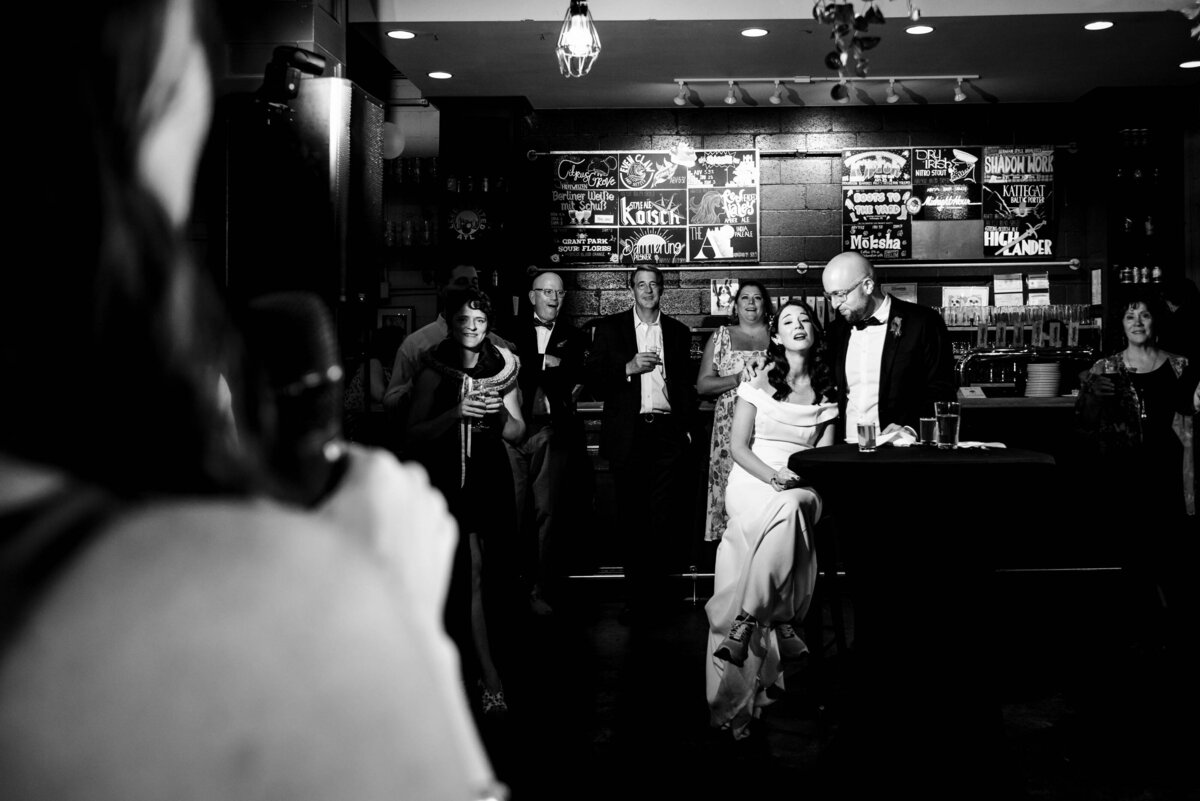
(640, 365)
(891, 359)
(554, 448)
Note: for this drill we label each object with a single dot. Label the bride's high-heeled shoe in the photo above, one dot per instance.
(492, 702)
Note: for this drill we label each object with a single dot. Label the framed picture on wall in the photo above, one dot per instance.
(396, 316)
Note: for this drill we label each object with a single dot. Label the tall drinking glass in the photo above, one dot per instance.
(948, 417)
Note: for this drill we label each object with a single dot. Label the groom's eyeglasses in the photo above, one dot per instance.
(840, 294)
(551, 294)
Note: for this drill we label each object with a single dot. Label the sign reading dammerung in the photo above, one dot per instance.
(664, 207)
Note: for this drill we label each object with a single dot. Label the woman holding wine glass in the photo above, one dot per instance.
(464, 408)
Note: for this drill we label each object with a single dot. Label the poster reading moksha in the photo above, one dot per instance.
(1018, 201)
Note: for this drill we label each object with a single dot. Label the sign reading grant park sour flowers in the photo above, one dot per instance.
(664, 207)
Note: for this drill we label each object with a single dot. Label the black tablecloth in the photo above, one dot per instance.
(920, 531)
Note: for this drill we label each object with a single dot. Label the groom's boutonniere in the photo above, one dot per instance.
(894, 329)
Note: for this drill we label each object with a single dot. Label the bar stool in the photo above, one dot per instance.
(828, 591)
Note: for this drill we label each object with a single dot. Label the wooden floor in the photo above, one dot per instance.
(1090, 706)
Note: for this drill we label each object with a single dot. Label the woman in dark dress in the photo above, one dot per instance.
(465, 406)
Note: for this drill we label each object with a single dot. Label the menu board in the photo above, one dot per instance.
(655, 206)
(947, 202)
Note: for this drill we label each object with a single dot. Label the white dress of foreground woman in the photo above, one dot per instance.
(765, 565)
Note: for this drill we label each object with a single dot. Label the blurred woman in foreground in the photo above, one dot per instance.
(167, 631)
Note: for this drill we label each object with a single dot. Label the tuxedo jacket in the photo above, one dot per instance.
(613, 345)
(566, 342)
(917, 367)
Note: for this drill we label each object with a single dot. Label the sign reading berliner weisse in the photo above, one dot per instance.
(948, 202)
(655, 206)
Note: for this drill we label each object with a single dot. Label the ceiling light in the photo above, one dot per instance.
(1098, 25)
(681, 98)
(578, 43)
(919, 30)
(840, 93)
(441, 75)
(959, 95)
(892, 97)
(754, 33)
(729, 98)
(402, 34)
(777, 97)
(1190, 65)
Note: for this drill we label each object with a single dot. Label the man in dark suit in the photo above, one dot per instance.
(891, 358)
(640, 366)
(552, 353)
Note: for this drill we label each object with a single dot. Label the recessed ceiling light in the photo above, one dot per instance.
(1098, 25)
(1190, 65)
(917, 30)
(440, 75)
(755, 32)
(402, 34)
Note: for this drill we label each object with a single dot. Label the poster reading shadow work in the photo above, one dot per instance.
(655, 206)
(1018, 201)
(876, 208)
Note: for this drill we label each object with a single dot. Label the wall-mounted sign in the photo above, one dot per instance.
(655, 206)
(948, 202)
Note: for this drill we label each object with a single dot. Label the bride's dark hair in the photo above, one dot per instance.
(819, 370)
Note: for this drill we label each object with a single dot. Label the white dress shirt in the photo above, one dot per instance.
(654, 383)
(864, 356)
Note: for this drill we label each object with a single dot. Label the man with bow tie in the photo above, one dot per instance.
(891, 358)
(552, 352)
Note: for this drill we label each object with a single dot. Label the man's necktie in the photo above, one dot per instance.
(861, 324)
(543, 323)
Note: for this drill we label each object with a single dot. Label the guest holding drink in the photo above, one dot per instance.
(464, 407)
(734, 353)
(766, 565)
(1140, 418)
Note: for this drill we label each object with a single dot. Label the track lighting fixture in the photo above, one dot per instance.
(840, 91)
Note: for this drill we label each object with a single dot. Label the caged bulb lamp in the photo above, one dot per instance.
(578, 43)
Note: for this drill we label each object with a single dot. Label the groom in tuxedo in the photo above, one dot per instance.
(640, 366)
(547, 463)
(891, 358)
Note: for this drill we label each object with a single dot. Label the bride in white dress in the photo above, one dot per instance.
(765, 565)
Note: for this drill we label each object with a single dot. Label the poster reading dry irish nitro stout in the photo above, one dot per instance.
(1018, 202)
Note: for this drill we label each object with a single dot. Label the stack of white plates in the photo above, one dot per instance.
(1041, 380)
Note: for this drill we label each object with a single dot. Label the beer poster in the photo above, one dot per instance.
(655, 206)
(876, 202)
(947, 203)
(1018, 202)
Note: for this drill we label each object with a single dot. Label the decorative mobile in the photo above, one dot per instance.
(850, 32)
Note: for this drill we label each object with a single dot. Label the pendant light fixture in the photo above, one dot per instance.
(578, 42)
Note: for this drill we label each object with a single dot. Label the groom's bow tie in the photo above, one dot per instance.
(861, 324)
(542, 323)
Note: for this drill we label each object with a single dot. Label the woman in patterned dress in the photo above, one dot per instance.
(734, 353)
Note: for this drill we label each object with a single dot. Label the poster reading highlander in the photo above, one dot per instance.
(655, 206)
(876, 209)
(1018, 202)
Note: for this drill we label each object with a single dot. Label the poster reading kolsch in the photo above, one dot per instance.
(655, 206)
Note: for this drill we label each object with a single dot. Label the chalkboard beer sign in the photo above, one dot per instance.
(664, 207)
